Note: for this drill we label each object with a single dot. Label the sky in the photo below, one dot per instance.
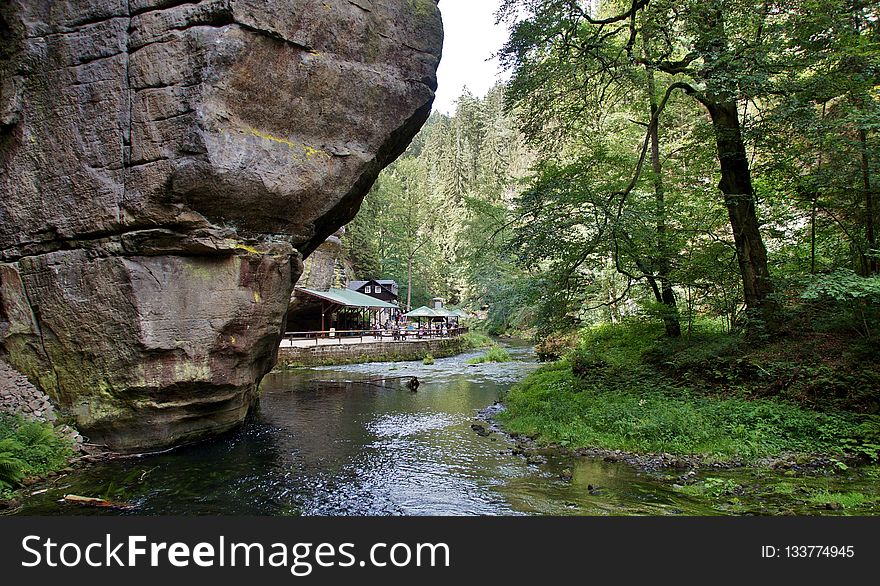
(470, 39)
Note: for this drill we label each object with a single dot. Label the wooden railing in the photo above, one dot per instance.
(393, 334)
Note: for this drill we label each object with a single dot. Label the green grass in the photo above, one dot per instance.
(29, 448)
(493, 354)
(847, 500)
(640, 411)
(628, 387)
(784, 488)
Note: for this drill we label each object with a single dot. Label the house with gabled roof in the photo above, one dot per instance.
(384, 289)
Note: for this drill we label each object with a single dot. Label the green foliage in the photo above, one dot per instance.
(428, 359)
(619, 346)
(846, 500)
(30, 448)
(556, 345)
(867, 440)
(10, 471)
(473, 340)
(653, 415)
(844, 298)
(493, 354)
(843, 285)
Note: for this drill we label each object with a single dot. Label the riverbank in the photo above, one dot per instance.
(709, 400)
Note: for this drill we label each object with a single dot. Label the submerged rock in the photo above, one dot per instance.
(480, 429)
(164, 167)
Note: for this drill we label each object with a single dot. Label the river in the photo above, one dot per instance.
(337, 441)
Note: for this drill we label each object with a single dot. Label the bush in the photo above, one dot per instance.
(11, 473)
(556, 345)
(473, 340)
(619, 345)
(585, 363)
(845, 299)
(30, 448)
(494, 354)
(428, 359)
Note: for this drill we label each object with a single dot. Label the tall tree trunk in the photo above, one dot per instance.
(813, 235)
(739, 198)
(409, 262)
(871, 261)
(663, 260)
(736, 178)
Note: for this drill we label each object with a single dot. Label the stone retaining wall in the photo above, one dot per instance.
(325, 355)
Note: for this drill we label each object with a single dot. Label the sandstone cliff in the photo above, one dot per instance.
(325, 267)
(164, 165)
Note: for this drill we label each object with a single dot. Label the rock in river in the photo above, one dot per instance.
(480, 429)
(164, 167)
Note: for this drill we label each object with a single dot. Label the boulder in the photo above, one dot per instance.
(164, 168)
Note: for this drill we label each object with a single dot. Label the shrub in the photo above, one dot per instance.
(844, 298)
(494, 354)
(585, 363)
(474, 340)
(11, 473)
(428, 359)
(30, 448)
(556, 345)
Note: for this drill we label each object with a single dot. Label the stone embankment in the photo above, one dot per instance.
(325, 355)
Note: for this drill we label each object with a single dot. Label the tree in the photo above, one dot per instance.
(692, 43)
(436, 218)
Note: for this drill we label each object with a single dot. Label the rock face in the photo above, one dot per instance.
(325, 268)
(164, 165)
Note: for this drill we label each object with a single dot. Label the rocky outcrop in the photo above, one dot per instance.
(325, 267)
(164, 166)
(322, 270)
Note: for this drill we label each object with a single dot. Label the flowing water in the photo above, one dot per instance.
(342, 441)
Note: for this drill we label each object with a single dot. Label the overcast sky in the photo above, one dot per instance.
(470, 38)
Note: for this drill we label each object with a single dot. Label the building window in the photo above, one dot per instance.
(368, 289)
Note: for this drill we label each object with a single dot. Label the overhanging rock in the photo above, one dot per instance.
(164, 166)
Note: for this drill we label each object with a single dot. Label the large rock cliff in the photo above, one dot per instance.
(325, 267)
(164, 166)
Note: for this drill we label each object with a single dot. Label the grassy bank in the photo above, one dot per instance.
(29, 449)
(626, 388)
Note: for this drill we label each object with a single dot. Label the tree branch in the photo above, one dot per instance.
(634, 8)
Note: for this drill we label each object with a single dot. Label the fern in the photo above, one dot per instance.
(10, 470)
